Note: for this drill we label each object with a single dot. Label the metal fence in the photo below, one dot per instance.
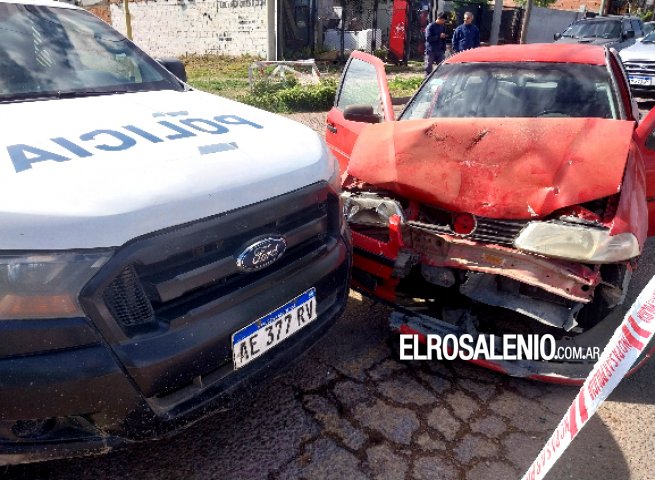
(361, 27)
(365, 25)
(418, 18)
(350, 25)
(296, 23)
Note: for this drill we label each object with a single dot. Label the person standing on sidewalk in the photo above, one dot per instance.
(467, 35)
(435, 42)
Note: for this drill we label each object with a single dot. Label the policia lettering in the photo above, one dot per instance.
(23, 156)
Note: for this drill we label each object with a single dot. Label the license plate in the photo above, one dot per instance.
(273, 328)
(639, 80)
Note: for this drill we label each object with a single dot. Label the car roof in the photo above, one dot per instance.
(632, 17)
(534, 52)
(41, 3)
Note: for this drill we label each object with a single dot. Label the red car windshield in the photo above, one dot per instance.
(515, 90)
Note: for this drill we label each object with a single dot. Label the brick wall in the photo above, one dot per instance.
(101, 12)
(572, 5)
(592, 5)
(175, 28)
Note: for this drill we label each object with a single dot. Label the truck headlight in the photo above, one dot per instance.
(46, 285)
(575, 242)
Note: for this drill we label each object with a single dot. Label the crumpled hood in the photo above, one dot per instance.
(639, 51)
(99, 171)
(516, 168)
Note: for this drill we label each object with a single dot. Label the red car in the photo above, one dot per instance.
(512, 195)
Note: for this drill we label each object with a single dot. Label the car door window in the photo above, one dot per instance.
(636, 26)
(621, 78)
(360, 87)
(626, 26)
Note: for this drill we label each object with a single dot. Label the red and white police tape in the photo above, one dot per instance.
(628, 341)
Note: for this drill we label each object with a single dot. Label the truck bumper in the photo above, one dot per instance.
(80, 401)
(84, 391)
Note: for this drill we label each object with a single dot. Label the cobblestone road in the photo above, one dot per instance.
(349, 410)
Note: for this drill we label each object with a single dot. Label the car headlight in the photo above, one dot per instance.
(46, 285)
(575, 242)
(370, 209)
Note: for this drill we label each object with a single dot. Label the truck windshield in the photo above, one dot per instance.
(650, 38)
(594, 29)
(527, 89)
(60, 51)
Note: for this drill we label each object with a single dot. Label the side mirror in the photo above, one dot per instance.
(557, 36)
(361, 113)
(629, 34)
(175, 66)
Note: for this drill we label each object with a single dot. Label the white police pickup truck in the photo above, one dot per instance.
(160, 247)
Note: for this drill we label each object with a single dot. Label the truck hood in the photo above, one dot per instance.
(517, 168)
(98, 171)
(639, 51)
(590, 41)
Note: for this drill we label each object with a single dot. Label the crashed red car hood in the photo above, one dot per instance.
(513, 168)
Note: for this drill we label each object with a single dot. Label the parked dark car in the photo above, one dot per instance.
(616, 32)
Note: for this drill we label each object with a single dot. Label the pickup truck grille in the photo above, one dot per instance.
(127, 300)
(640, 67)
(174, 273)
(169, 302)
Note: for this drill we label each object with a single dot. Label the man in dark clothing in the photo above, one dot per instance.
(467, 35)
(435, 42)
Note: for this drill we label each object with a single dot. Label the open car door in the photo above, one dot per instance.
(645, 136)
(363, 84)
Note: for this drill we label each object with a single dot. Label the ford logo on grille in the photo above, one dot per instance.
(262, 253)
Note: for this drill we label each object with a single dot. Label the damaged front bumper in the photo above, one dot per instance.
(466, 276)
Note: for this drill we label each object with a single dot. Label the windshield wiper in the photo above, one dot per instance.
(91, 93)
(35, 96)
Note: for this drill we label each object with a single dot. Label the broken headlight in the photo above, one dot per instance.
(576, 242)
(45, 285)
(370, 209)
